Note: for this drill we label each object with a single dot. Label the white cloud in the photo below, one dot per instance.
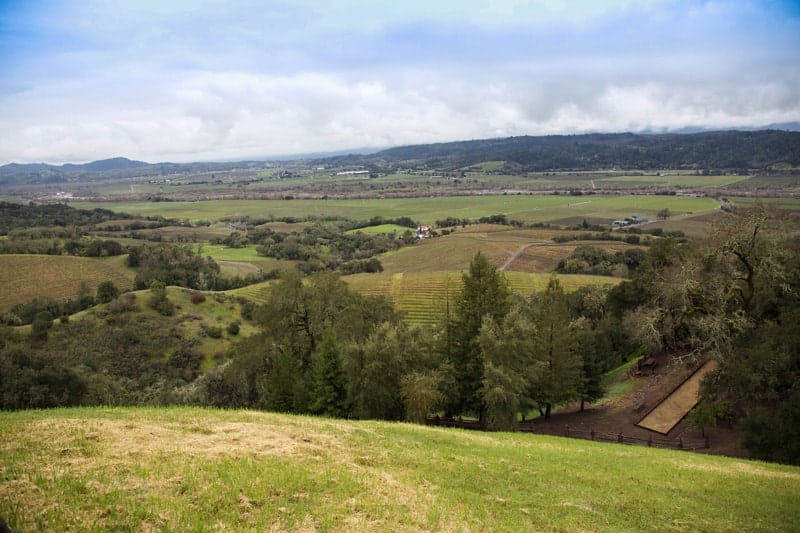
(154, 82)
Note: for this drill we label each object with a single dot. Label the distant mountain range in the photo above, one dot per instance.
(719, 150)
(723, 150)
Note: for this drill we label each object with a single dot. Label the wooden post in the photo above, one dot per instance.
(649, 441)
(567, 430)
(620, 437)
(592, 434)
(680, 443)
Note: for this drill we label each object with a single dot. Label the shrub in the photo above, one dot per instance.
(125, 302)
(233, 328)
(198, 297)
(106, 292)
(215, 332)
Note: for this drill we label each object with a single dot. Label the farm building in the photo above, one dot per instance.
(629, 221)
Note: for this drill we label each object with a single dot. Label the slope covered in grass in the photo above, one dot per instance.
(195, 469)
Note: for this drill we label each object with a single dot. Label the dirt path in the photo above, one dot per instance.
(514, 257)
(672, 410)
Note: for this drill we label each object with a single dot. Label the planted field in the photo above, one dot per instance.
(25, 277)
(527, 208)
(258, 293)
(199, 469)
(423, 296)
(675, 180)
(520, 250)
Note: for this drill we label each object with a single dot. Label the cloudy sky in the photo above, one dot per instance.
(218, 80)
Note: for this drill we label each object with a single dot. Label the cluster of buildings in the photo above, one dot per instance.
(629, 221)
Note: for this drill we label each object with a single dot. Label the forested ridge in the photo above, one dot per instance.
(729, 150)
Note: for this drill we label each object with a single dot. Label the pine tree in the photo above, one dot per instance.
(559, 376)
(329, 390)
(485, 293)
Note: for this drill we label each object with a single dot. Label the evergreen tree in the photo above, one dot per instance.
(509, 368)
(329, 391)
(484, 293)
(559, 374)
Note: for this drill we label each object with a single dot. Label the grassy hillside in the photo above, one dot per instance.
(194, 469)
(24, 277)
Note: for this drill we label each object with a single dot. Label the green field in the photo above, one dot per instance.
(675, 180)
(383, 228)
(24, 277)
(189, 469)
(526, 208)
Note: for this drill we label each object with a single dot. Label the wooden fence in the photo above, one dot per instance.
(529, 427)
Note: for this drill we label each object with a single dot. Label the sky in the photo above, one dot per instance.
(210, 80)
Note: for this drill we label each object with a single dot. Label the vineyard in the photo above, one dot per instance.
(424, 296)
(25, 277)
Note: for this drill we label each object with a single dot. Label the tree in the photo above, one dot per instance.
(593, 366)
(554, 347)
(484, 293)
(422, 395)
(509, 368)
(328, 394)
(106, 291)
(41, 325)
(664, 214)
(158, 298)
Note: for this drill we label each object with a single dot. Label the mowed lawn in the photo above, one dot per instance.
(24, 277)
(189, 469)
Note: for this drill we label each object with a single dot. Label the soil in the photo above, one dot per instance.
(620, 415)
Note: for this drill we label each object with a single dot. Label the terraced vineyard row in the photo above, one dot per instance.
(257, 293)
(423, 296)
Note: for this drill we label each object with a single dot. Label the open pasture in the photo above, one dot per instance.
(189, 469)
(25, 277)
(526, 208)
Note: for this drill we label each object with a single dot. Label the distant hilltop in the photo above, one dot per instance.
(713, 150)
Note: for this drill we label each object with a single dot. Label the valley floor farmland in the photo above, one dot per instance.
(526, 208)
(196, 469)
